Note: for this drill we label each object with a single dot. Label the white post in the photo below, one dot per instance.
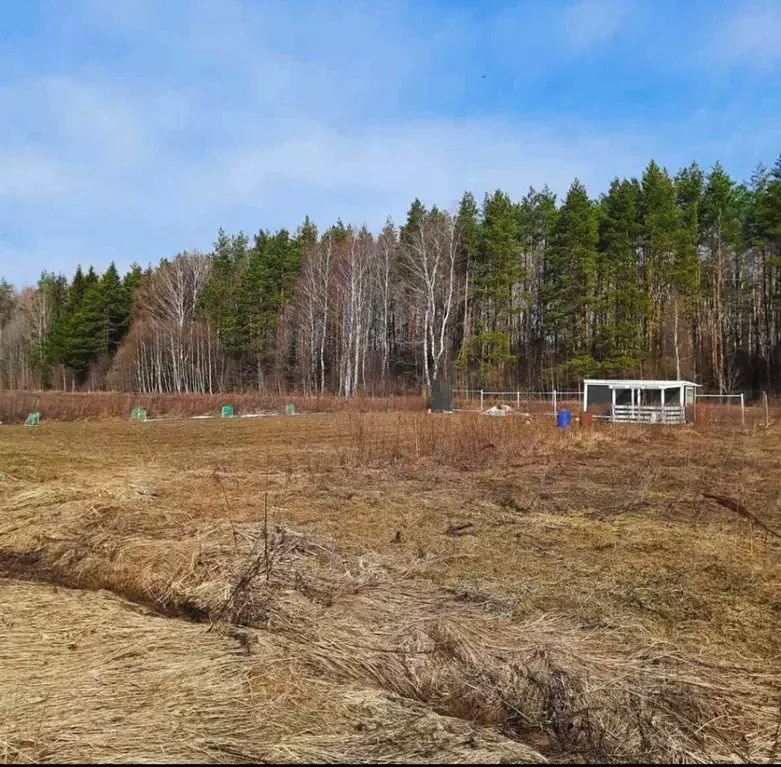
(585, 397)
(517, 400)
(555, 406)
(613, 410)
(481, 400)
(663, 419)
(743, 408)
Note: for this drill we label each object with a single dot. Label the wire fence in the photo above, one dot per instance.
(709, 408)
(528, 402)
(727, 402)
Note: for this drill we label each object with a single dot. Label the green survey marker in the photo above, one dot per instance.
(138, 414)
(33, 419)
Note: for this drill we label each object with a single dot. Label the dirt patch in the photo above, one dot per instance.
(25, 565)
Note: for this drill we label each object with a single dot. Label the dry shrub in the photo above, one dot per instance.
(465, 439)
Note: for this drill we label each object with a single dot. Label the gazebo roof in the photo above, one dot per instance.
(628, 383)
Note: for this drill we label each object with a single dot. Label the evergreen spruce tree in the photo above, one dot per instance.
(221, 302)
(87, 335)
(133, 280)
(76, 291)
(307, 232)
(115, 307)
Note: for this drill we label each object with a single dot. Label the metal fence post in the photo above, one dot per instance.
(517, 400)
(555, 407)
(743, 408)
(481, 400)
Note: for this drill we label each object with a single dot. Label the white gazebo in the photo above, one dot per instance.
(637, 401)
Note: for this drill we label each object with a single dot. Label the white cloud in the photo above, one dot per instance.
(589, 23)
(361, 174)
(248, 115)
(434, 159)
(751, 36)
(77, 121)
(31, 176)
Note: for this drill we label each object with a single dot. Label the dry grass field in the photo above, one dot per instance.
(387, 587)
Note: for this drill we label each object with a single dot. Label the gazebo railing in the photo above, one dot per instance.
(648, 413)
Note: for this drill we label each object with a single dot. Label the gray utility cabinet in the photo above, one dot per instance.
(441, 396)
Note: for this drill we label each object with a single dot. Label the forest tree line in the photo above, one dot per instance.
(663, 276)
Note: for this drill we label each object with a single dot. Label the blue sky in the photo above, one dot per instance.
(132, 129)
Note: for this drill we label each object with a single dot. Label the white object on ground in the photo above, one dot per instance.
(498, 410)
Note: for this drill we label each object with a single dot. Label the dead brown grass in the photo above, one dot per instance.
(595, 604)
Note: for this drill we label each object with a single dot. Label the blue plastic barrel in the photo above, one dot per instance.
(563, 419)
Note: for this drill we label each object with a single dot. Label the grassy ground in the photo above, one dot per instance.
(15, 406)
(386, 587)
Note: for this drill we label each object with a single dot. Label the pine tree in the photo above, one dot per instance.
(272, 267)
(763, 233)
(415, 215)
(6, 300)
(660, 239)
(571, 281)
(769, 210)
(722, 224)
(689, 188)
(622, 302)
(53, 352)
(537, 213)
(468, 227)
(87, 336)
(497, 272)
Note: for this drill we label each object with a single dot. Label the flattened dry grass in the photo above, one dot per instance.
(591, 605)
(90, 677)
(84, 677)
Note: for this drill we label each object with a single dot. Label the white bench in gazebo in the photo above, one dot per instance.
(638, 401)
